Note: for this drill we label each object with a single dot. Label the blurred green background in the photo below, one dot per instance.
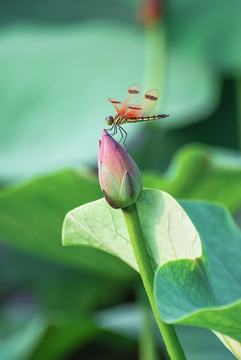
(59, 63)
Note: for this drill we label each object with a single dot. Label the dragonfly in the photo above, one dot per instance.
(128, 112)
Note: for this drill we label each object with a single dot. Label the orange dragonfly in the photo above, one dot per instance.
(129, 113)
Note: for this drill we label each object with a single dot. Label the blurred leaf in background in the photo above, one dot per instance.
(63, 286)
(54, 96)
(201, 172)
(31, 218)
(46, 312)
(58, 69)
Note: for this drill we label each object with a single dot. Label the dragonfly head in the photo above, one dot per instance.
(109, 120)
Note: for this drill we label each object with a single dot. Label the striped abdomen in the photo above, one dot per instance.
(121, 120)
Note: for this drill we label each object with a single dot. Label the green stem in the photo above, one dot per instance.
(147, 349)
(138, 243)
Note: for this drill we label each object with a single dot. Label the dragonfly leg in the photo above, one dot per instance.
(125, 136)
(121, 134)
(114, 130)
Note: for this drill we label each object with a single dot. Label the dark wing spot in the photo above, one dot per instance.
(115, 102)
(135, 107)
(151, 97)
(133, 91)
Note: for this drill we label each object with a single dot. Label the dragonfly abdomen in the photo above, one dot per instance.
(143, 118)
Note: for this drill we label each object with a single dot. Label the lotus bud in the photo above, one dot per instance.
(119, 176)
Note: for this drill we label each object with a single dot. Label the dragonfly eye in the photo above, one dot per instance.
(109, 120)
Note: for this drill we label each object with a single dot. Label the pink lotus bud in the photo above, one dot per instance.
(119, 176)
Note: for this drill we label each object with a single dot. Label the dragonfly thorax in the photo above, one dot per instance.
(109, 120)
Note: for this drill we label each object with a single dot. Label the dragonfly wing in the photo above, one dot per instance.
(134, 112)
(148, 101)
(120, 107)
(133, 94)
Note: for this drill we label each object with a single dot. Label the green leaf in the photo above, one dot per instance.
(171, 236)
(98, 225)
(31, 217)
(201, 172)
(194, 292)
